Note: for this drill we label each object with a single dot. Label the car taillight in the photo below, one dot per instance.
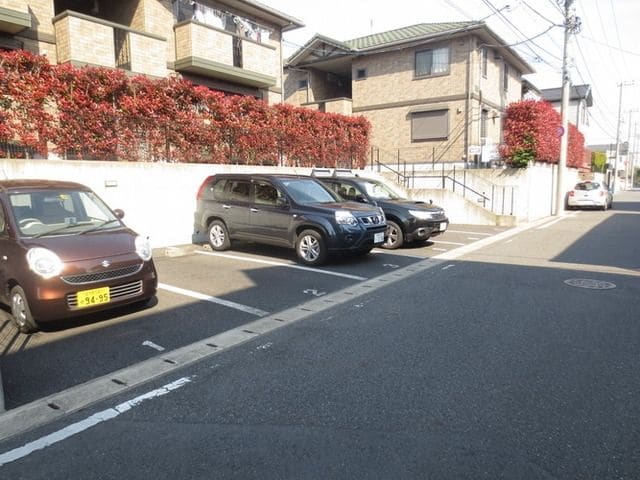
(572, 193)
(203, 186)
(601, 193)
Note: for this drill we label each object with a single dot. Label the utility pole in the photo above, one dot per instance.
(628, 169)
(571, 25)
(615, 160)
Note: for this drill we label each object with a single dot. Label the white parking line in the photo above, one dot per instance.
(553, 222)
(448, 243)
(281, 264)
(470, 233)
(209, 298)
(82, 425)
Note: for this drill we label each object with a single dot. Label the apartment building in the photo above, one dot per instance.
(433, 92)
(230, 45)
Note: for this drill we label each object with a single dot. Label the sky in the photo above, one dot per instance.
(604, 54)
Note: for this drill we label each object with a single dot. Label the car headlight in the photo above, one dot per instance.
(143, 248)
(422, 214)
(44, 262)
(344, 217)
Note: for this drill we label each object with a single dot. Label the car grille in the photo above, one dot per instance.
(102, 276)
(372, 220)
(119, 292)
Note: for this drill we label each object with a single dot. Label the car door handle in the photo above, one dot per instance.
(254, 210)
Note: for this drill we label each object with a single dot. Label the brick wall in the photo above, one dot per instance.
(147, 55)
(261, 59)
(84, 41)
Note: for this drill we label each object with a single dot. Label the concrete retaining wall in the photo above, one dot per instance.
(159, 199)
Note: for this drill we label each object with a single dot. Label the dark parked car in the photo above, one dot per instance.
(64, 253)
(407, 220)
(286, 210)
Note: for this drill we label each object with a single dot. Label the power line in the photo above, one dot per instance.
(541, 15)
(518, 33)
(615, 64)
(615, 24)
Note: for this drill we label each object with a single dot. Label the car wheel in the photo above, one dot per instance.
(395, 237)
(311, 248)
(219, 236)
(20, 311)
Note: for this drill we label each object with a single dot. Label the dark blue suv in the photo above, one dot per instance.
(408, 220)
(285, 210)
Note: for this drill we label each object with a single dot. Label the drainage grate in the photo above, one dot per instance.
(589, 283)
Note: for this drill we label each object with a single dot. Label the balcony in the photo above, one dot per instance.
(13, 21)
(85, 40)
(216, 53)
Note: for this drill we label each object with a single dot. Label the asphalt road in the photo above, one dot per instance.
(499, 355)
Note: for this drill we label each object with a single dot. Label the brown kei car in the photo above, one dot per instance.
(65, 253)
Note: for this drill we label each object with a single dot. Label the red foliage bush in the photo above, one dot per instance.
(103, 114)
(534, 126)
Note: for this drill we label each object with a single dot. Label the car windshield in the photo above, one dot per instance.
(379, 191)
(60, 212)
(305, 191)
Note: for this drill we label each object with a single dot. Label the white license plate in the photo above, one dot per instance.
(378, 237)
(443, 226)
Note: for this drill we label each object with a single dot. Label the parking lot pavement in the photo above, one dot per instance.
(202, 293)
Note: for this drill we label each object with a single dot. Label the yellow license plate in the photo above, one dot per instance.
(89, 298)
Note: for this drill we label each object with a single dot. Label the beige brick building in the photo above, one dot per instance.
(432, 92)
(229, 45)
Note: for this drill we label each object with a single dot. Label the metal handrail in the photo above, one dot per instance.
(408, 181)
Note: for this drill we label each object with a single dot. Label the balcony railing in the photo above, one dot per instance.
(212, 52)
(85, 40)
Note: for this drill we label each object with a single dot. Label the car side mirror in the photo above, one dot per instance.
(361, 198)
(282, 202)
(119, 213)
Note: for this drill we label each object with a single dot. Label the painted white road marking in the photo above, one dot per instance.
(448, 243)
(93, 420)
(440, 249)
(281, 264)
(448, 267)
(470, 233)
(209, 298)
(155, 346)
(553, 222)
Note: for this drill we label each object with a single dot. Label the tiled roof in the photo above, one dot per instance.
(406, 33)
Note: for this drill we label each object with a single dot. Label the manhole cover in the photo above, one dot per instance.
(588, 283)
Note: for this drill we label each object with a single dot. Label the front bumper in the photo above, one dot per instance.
(56, 299)
(421, 230)
(353, 239)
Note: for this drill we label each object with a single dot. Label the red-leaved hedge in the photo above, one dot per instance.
(533, 126)
(103, 114)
